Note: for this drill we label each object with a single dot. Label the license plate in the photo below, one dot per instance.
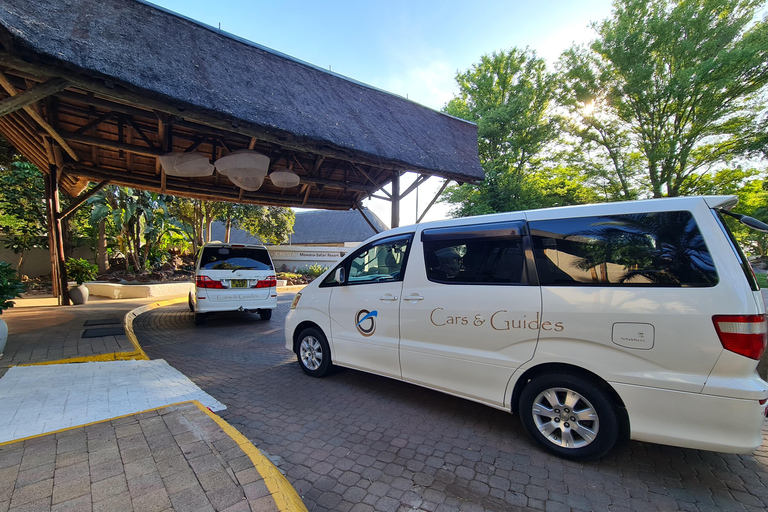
(238, 283)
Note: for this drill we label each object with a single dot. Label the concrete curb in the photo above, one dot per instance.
(136, 354)
(285, 496)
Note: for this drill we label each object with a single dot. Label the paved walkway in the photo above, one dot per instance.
(39, 331)
(175, 457)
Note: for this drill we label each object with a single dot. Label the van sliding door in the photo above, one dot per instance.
(469, 316)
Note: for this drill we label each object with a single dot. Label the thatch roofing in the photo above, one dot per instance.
(315, 228)
(141, 80)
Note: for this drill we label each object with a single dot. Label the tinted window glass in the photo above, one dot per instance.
(235, 258)
(489, 254)
(650, 249)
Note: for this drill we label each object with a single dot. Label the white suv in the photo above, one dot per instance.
(639, 319)
(233, 277)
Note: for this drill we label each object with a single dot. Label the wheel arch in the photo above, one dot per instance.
(306, 324)
(576, 371)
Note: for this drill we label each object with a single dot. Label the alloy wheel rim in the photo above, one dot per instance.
(565, 418)
(311, 353)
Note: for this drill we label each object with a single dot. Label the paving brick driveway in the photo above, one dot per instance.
(353, 441)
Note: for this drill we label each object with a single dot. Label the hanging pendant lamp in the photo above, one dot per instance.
(285, 178)
(186, 165)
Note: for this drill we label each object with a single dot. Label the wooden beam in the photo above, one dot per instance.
(360, 209)
(81, 199)
(432, 202)
(112, 144)
(23, 144)
(32, 95)
(421, 179)
(369, 178)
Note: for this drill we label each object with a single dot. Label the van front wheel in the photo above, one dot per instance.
(313, 352)
(569, 416)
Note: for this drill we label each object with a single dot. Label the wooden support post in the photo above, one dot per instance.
(52, 239)
(53, 177)
(395, 199)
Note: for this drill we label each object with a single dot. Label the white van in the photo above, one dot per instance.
(637, 318)
(233, 277)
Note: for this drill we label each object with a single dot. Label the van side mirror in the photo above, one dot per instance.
(339, 276)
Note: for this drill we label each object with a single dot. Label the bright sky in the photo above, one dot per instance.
(413, 48)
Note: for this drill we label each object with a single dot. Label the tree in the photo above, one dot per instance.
(272, 224)
(508, 95)
(23, 220)
(141, 220)
(675, 81)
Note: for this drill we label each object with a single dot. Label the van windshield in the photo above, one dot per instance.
(235, 258)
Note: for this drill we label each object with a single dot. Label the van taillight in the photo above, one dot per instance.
(744, 334)
(269, 282)
(207, 282)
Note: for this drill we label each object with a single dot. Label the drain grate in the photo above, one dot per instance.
(98, 332)
(102, 321)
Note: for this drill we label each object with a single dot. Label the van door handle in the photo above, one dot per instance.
(388, 298)
(413, 298)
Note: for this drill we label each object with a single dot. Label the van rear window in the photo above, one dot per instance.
(650, 249)
(235, 258)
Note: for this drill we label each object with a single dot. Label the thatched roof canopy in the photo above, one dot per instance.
(106, 86)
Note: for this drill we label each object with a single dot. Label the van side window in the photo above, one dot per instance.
(480, 254)
(663, 249)
(382, 261)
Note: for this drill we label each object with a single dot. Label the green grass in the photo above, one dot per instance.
(762, 279)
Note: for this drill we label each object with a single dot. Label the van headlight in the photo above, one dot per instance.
(296, 301)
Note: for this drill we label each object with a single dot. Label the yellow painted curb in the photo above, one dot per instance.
(131, 316)
(136, 354)
(285, 496)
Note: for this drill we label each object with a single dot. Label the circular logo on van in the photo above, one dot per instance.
(366, 322)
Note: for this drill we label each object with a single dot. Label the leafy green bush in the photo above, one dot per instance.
(313, 270)
(10, 286)
(81, 270)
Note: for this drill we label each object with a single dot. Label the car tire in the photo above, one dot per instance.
(191, 302)
(313, 352)
(200, 318)
(265, 314)
(586, 430)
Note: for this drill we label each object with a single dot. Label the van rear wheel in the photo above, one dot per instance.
(265, 314)
(314, 353)
(569, 416)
